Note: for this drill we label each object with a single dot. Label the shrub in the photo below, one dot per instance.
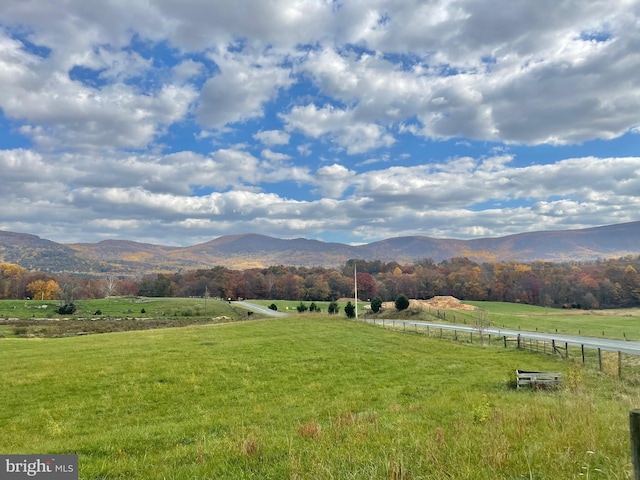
(333, 308)
(350, 310)
(67, 309)
(313, 307)
(302, 307)
(273, 306)
(143, 311)
(376, 304)
(98, 312)
(402, 302)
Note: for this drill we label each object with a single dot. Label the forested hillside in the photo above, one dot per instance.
(601, 284)
(133, 259)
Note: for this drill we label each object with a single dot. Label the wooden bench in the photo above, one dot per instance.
(533, 379)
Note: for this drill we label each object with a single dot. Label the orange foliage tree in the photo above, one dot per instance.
(44, 289)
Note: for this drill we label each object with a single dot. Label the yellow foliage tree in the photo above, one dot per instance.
(10, 277)
(44, 290)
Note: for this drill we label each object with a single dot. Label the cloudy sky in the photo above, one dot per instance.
(175, 122)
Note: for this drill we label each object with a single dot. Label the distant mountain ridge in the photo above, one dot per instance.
(126, 257)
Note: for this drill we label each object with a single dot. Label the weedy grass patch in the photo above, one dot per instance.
(305, 397)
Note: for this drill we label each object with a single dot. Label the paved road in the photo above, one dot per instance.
(574, 340)
(259, 309)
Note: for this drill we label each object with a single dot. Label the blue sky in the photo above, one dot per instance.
(351, 121)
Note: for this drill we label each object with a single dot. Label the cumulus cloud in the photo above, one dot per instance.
(245, 83)
(407, 117)
(272, 137)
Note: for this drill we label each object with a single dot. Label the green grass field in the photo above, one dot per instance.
(615, 323)
(305, 397)
(131, 307)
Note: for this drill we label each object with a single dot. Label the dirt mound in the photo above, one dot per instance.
(448, 302)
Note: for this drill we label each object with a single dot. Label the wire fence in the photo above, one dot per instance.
(615, 364)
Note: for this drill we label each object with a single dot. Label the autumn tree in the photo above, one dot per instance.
(10, 279)
(44, 289)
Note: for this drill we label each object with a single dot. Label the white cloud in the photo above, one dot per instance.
(245, 83)
(187, 70)
(340, 125)
(333, 180)
(273, 137)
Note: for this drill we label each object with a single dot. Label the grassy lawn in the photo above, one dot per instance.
(306, 397)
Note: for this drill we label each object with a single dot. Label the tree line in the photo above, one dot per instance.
(606, 283)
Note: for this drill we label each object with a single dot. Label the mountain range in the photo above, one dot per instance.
(130, 258)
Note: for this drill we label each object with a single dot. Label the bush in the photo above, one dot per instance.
(350, 310)
(402, 302)
(333, 308)
(273, 306)
(67, 309)
(143, 311)
(376, 304)
(313, 307)
(98, 312)
(302, 308)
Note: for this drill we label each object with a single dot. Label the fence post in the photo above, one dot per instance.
(619, 364)
(455, 335)
(582, 347)
(518, 340)
(440, 333)
(600, 359)
(553, 347)
(471, 336)
(505, 341)
(566, 350)
(634, 428)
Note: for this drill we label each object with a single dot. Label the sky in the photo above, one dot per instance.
(176, 122)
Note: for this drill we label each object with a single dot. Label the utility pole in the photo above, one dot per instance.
(355, 285)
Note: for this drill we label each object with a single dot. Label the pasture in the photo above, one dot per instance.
(614, 323)
(39, 318)
(305, 397)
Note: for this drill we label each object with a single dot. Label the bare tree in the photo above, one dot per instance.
(110, 285)
(481, 322)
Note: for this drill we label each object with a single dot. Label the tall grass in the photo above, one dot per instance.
(304, 397)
